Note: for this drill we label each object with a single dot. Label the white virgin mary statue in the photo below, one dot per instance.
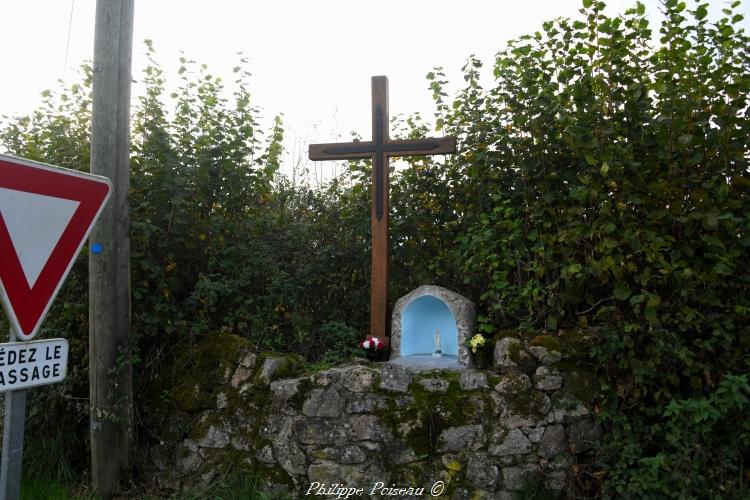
(437, 352)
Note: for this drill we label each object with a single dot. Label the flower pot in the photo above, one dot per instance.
(377, 355)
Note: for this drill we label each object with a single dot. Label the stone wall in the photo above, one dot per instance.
(524, 426)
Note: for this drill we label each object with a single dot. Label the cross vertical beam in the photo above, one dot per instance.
(380, 148)
(379, 218)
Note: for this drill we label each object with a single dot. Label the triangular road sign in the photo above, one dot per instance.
(46, 213)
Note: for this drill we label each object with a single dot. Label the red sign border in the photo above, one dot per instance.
(26, 307)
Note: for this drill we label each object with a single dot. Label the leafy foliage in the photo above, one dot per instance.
(603, 183)
(219, 241)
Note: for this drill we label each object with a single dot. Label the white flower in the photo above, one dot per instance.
(366, 345)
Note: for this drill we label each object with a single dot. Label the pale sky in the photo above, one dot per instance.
(311, 60)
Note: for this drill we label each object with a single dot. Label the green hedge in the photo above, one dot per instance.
(603, 182)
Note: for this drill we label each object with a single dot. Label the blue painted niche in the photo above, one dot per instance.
(419, 320)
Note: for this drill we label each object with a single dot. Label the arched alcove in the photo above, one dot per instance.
(416, 317)
(420, 320)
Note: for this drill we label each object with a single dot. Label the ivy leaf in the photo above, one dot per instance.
(685, 139)
(722, 269)
(621, 290)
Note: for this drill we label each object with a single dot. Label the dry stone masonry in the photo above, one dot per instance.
(525, 426)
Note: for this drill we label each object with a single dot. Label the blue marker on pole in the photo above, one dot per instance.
(97, 248)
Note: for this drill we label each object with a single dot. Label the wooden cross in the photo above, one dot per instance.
(380, 148)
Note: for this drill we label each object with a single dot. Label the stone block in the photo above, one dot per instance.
(481, 472)
(368, 428)
(320, 431)
(189, 463)
(349, 454)
(515, 443)
(556, 480)
(325, 378)
(471, 380)
(534, 433)
(566, 408)
(529, 410)
(216, 437)
(359, 378)
(400, 453)
(394, 378)
(366, 403)
(434, 384)
(323, 403)
(504, 352)
(519, 477)
(514, 383)
(553, 441)
(282, 391)
(324, 472)
(221, 401)
(544, 355)
(270, 369)
(276, 427)
(547, 379)
(290, 458)
(452, 462)
(455, 439)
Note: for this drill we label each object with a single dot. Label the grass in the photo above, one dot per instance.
(239, 486)
(242, 486)
(42, 489)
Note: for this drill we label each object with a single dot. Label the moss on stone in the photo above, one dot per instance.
(528, 404)
(421, 422)
(514, 352)
(294, 365)
(410, 423)
(410, 474)
(523, 359)
(580, 380)
(502, 334)
(304, 387)
(274, 474)
(578, 342)
(516, 384)
(547, 341)
(454, 465)
(194, 379)
(199, 431)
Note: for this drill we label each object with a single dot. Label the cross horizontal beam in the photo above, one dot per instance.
(365, 149)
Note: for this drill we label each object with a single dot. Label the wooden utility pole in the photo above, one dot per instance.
(111, 386)
(380, 149)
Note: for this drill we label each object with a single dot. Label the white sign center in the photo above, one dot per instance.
(35, 223)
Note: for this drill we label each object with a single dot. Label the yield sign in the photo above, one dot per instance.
(46, 214)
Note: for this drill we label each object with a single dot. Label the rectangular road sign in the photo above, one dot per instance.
(28, 364)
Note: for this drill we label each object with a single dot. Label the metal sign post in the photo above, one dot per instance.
(13, 429)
